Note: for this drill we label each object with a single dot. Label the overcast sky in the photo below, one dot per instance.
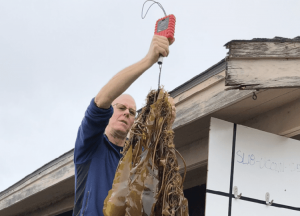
(55, 56)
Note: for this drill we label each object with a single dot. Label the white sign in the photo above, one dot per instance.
(256, 163)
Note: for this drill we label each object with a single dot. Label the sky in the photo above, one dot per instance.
(55, 55)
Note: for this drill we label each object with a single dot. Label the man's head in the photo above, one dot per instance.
(123, 117)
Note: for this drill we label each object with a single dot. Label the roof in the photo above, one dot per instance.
(210, 72)
(38, 171)
(215, 69)
(275, 39)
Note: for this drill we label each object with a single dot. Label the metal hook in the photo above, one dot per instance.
(254, 96)
(235, 192)
(268, 198)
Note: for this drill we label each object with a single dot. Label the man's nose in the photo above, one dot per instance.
(126, 112)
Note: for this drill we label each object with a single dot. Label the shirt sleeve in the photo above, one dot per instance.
(90, 132)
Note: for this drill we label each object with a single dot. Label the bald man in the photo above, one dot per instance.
(103, 131)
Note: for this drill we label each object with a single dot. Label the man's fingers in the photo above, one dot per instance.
(163, 51)
(162, 40)
(159, 46)
(165, 40)
(164, 48)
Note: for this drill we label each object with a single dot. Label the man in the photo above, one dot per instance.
(103, 132)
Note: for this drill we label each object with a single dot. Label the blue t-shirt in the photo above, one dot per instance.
(96, 160)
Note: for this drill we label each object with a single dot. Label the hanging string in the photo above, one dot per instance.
(151, 6)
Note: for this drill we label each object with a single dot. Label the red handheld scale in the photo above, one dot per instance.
(164, 27)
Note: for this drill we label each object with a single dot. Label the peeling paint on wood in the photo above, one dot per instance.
(200, 87)
(206, 102)
(264, 50)
(263, 73)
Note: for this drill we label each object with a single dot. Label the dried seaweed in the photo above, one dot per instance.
(153, 187)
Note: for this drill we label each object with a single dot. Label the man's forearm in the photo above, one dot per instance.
(120, 82)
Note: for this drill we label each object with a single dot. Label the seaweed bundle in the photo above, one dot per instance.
(147, 181)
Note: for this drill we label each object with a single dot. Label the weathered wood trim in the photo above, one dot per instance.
(60, 171)
(263, 73)
(284, 120)
(206, 102)
(200, 87)
(264, 50)
(202, 77)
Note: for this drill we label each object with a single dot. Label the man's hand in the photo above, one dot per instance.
(171, 101)
(122, 80)
(159, 46)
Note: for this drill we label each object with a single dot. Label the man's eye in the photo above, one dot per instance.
(122, 108)
(132, 113)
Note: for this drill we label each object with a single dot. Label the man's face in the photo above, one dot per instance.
(121, 120)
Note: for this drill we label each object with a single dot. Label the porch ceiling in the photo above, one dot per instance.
(239, 112)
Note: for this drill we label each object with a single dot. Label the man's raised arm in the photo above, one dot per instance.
(122, 80)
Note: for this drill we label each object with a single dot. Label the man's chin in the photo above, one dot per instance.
(121, 134)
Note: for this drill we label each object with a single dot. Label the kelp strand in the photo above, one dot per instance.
(147, 181)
